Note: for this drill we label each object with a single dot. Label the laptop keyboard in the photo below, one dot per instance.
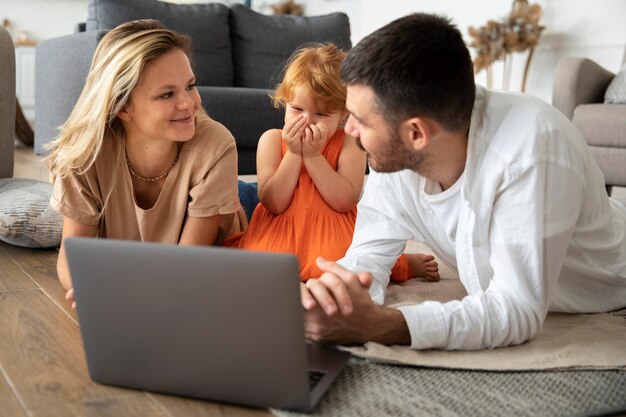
(314, 377)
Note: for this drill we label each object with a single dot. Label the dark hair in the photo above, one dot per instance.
(417, 65)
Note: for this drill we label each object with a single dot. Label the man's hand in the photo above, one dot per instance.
(339, 309)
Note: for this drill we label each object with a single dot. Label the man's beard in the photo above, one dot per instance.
(396, 156)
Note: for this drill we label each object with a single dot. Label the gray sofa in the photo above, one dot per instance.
(579, 91)
(238, 55)
(7, 103)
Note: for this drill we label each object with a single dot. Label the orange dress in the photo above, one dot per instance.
(309, 227)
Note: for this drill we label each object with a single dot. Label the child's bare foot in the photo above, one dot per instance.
(423, 266)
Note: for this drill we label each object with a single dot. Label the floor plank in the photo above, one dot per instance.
(40, 266)
(196, 408)
(9, 404)
(42, 354)
(108, 407)
(29, 165)
(13, 278)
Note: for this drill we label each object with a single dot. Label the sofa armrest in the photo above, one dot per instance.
(578, 81)
(247, 113)
(7, 103)
(60, 72)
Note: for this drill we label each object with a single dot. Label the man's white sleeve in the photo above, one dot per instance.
(379, 237)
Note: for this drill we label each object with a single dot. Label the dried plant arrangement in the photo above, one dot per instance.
(497, 40)
(288, 7)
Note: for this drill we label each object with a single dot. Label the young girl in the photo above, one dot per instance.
(138, 158)
(310, 173)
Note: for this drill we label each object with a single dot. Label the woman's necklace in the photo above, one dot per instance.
(139, 177)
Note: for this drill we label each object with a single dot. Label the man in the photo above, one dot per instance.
(501, 187)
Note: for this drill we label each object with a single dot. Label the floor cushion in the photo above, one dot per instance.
(26, 218)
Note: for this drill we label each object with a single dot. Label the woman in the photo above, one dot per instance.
(138, 158)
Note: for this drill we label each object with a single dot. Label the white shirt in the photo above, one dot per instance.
(535, 230)
(444, 205)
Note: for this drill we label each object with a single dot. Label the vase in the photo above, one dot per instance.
(520, 8)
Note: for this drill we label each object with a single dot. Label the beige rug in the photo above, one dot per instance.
(566, 341)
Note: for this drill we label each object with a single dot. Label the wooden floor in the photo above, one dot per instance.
(42, 364)
(29, 165)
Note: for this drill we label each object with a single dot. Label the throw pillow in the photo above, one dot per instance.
(616, 92)
(207, 24)
(262, 44)
(26, 218)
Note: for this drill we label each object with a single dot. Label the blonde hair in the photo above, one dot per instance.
(316, 68)
(115, 69)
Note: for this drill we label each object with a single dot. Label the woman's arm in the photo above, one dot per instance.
(277, 176)
(340, 189)
(200, 231)
(71, 228)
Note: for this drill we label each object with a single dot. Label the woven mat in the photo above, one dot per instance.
(566, 341)
(369, 389)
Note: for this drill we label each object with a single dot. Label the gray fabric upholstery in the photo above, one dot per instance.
(246, 123)
(578, 81)
(579, 90)
(262, 44)
(63, 63)
(60, 72)
(616, 92)
(612, 162)
(207, 24)
(610, 133)
(7, 103)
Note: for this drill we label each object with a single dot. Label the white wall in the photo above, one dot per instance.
(594, 29)
(43, 19)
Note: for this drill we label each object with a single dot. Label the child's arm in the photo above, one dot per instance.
(200, 231)
(277, 176)
(340, 189)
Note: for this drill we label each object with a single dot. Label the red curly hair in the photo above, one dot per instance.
(316, 68)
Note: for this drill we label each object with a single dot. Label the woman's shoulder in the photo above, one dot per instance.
(110, 157)
(211, 136)
(211, 144)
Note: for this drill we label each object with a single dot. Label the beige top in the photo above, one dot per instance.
(203, 183)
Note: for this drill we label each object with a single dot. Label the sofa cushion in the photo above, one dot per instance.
(26, 218)
(224, 104)
(262, 44)
(616, 91)
(602, 124)
(207, 24)
(611, 162)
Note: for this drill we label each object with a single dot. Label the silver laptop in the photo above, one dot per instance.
(213, 323)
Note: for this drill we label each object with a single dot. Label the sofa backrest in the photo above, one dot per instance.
(233, 46)
(262, 44)
(206, 23)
